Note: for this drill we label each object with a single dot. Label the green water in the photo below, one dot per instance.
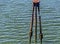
(15, 18)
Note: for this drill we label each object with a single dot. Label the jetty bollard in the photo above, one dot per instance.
(41, 34)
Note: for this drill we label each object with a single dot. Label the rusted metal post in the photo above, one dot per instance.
(41, 34)
(31, 27)
(35, 24)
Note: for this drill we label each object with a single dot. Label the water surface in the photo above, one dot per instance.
(15, 18)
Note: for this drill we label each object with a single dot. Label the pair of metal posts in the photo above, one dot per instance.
(31, 27)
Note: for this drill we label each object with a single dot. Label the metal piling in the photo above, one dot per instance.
(31, 28)
(41, 34)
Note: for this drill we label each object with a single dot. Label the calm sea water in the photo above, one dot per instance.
(15, 18)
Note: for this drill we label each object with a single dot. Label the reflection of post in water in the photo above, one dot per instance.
(41, 34)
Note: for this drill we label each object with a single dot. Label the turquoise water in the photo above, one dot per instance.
(15, 18)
